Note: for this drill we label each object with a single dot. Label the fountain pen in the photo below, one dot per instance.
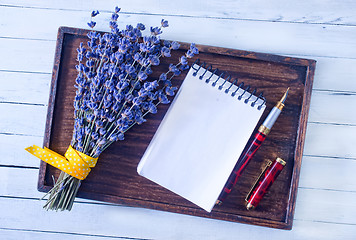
(253, 146)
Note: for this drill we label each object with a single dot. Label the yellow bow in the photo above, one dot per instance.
(75, 163)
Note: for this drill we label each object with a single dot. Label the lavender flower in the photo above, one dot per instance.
(114, 86)
(94, 13)
(164, 23)
(91, 24)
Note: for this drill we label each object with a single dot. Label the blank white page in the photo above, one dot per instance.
(200, 139)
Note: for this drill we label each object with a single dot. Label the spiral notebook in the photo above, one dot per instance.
(202, 136)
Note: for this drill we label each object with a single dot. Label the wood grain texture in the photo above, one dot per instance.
(27, 25)
(271, 73)
(271, 37)
(316, 11)
(121, 221)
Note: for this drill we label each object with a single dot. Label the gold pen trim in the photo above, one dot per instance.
(263, 129)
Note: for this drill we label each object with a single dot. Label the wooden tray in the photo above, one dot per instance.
(115, 179)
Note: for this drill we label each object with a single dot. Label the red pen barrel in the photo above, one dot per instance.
(241, 164)
(264, 183)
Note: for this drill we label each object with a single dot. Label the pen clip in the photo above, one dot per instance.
(269, 163)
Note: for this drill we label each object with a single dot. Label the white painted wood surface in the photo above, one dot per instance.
(321, 30)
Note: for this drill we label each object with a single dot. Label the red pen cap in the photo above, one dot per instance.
(264, 182)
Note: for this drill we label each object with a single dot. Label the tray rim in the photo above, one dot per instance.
(287, 224)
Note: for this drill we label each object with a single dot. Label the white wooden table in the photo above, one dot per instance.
(316, 29)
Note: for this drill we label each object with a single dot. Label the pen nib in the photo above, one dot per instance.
(283, 99)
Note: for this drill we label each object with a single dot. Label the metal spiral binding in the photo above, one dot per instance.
(216, 71)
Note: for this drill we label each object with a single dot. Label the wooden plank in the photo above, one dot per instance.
(317, 11)
(162, 225)
(36, 56)
(332, 107)
(16, 234)
(12, 148)
(24, 186)
(335, 74)
(328, 206)
(24, 87)
(319, 173)
(330, 140)
(23, 119)
(259, 36)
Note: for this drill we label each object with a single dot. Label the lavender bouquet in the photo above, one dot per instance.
(113, 92)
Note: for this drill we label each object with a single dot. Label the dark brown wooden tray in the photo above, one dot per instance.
(115, 179)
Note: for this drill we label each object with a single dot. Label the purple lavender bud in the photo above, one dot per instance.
(113, 137)
(137, 57)
(143, 47)
(111, 118)
(162, 98)
(93, 35)
(129, 69)
(107, 104)
(142, 76)
(113, 25)
(90, 117)
(139, 119)
(184, 67)
(91, 24)
(166, 52)
(194, 49)
(89, 63)
(183, 60)
(122, 84)
(128, 97)
(148, 71)
(99, 123)
(164, 23)
(109, 84)
(141, 26)
(119, 56)
(154, 60)
(86, 130)
(170, 90)
(116, 106)
(117, 9)
(81, 49)
(129, 27)
(142, 93)
(94, 136)
(175, 45)
(152, 108)
(102, 131)
(189, 54)
(79, 57)
(94, 13)
(114, 16)
(80, 67)
(120, 136)
(163, 77)
(155, 40)
(127, 114)
(155, 31)
(136, 101)
(152, 96)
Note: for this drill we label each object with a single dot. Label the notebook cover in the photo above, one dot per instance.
(115, 179)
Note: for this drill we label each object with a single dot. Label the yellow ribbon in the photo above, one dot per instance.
(75, 163)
